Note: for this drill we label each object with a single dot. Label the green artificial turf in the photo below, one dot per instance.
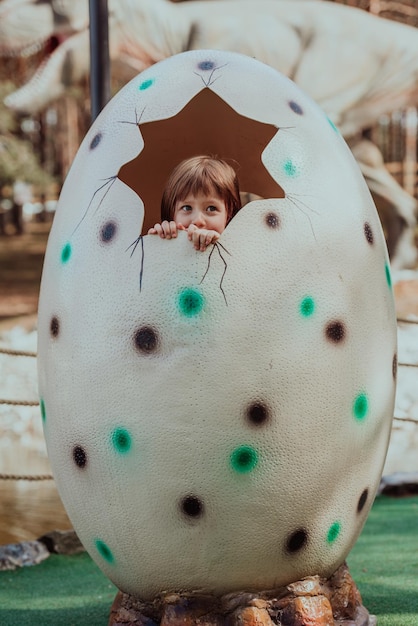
(60, 591)
(71, 590)
(384, 561)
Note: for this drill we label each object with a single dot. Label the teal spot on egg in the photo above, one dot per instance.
(388, 276)
(42, 407)
(146, 84)
(331, 123)
(190, 302)
(360, 407)
(244, 459)
(307, 306)
(290, 168)
(121, 440)
(66, 253)
(333, 532)
(104, 551)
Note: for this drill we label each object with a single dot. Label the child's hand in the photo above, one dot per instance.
(201, 237)
(166, 230)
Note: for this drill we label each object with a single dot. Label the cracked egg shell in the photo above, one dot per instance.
(216, 420)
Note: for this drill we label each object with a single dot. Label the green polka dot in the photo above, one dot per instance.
(388, 276)
(290, 168)
(360, 406)
(146, 84)
(104, 551)
(121, 440)
(190, 302)
(331, 123)
(307, 306)
(66, 253)
(333, 532)
(244, 459)
(42, 407)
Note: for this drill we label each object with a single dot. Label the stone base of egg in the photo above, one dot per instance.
(317, 601)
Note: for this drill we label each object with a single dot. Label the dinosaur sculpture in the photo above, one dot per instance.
(374, 72)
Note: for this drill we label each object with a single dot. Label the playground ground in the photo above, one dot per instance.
(21, 260)
(71, 590)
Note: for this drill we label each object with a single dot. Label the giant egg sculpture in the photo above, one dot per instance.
(216, 420)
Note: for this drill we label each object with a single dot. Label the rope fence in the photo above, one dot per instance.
(21, 477)
(408, 364)
(30, 477)
(20, 402)
(41, 477)
(10, 352)
(405, 320)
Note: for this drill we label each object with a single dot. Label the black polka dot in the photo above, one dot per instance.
(297, 540)
(146, 339)
(395, 366)
(272, 220)
(362, 500)
(80, 456)
(296, 108)
(192, 507)
(368, 233)
(54, 326)
(258, 413)
(335, 331)
(206, 65)
(108, 231)
(95, 141)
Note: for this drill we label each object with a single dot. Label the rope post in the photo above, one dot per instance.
(99, 56)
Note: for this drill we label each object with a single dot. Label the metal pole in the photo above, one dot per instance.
(99, 56)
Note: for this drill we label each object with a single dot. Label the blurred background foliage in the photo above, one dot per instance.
(18, 160)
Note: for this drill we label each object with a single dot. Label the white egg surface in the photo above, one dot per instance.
(216, 420)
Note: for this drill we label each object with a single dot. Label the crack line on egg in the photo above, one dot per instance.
(109, 181)
(137, 119)
(210, 82)
(295, 200)
(134, 245)
(218, 245)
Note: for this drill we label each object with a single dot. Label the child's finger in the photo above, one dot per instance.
(196, 239)
(206, 241)
(173, 229)
(205, 238)
(191, 233)
(166, 228)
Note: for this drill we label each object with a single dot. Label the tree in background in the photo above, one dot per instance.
(18, 159)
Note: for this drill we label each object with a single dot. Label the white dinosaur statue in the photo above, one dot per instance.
(356, 66)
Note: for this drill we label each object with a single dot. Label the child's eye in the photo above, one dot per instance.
(211, 209)
(186, 207)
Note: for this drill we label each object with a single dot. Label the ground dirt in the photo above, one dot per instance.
(21, 260)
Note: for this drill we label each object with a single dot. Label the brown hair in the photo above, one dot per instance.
(201, 174)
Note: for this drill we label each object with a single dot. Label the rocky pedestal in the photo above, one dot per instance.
(313, 601)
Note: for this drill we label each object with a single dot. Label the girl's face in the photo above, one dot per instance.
(201, 210)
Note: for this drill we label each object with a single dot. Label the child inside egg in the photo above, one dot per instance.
(201, 196)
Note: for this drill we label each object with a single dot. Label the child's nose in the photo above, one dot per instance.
(199, 220)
